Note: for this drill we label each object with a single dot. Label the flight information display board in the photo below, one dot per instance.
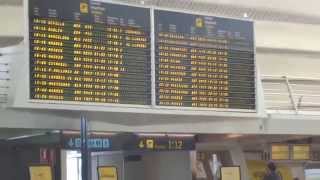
(97, 53)
(204, 61)
(89, 51)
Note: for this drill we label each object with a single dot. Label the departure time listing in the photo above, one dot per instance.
(97, 52)
(203, 61)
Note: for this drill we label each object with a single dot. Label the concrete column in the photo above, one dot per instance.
(238, 159)
(63, 161)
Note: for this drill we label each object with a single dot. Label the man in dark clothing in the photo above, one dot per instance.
(272, 173)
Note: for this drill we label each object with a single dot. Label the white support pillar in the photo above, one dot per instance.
(63, 163)
(238, 158)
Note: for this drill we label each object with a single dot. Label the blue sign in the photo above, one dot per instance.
(93, 143)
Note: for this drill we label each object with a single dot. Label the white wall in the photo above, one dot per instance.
(168, 166)
(134, 170)
(11, 18)
(298, 171)
(153, 165)
(279, 35)
(290, 6)
(289, 63)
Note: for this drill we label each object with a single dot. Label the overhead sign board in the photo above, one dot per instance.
(130, 141)
(89, 52)
(301, 152)
(204, 61)
(280, 152)
(95, 55)
(95, 143)
(40, 172)
(162, 142)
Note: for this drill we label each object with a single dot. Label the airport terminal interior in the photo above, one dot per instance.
(159, 90)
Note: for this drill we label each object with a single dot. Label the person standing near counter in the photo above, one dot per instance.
(272, 173)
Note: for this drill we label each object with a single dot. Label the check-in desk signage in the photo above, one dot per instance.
(230, 173)
(301, 152)
(290, 152)
(96, 141)
(160, 142)
(93, 143)
(129, 141)
(40, 172)
(280, 152)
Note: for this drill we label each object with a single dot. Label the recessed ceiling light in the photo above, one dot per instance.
(231, 136)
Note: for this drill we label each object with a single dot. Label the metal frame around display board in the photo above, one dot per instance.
(21, 85)
(153, 8)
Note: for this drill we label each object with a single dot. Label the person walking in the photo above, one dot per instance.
(272, 172)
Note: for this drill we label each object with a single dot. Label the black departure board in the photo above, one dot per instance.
(89, 51)
(204, 61)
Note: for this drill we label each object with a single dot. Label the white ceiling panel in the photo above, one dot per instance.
(310, 7)
(11, 2)
(270, 10)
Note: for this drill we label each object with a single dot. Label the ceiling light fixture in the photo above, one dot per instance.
(245, 15)
(232, 136)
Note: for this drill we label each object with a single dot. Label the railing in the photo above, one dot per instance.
(4, 79)
(298, 95)
(6, 56)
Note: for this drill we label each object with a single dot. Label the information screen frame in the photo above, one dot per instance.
(74, 103)
(287, 146)
(22, 99)
(294, 155)
(257, 105)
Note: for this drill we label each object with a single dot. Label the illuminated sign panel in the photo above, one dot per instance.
(301, 152)
(204, 61)
(129, 141)
(94, 55)
(107, 173)
(162, 143)
(280, 152)
(40, 172)
(89, 51)
(230, 173)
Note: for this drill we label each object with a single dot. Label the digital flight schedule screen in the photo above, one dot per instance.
(89, 51)
(204, 61)
(94, 52)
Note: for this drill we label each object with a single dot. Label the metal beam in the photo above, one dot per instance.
(293, 102)
(85, 152)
